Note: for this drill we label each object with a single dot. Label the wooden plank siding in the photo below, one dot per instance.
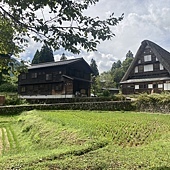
(149, 71)
(62, 79)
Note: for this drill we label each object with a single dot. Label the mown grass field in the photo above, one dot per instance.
(85, 140)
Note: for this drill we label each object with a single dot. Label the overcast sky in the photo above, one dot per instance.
(143, 19)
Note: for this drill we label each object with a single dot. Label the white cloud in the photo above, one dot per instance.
(147, 19)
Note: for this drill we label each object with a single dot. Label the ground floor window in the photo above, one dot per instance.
(160, 86)
(150, 86)
(23, 89)
(166, 86)
(136, 86)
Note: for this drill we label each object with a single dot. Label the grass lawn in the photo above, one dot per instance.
(82, 140)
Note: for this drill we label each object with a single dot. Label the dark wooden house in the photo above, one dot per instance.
(62, 79)
(149, 71)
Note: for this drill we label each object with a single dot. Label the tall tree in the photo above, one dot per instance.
(66, 24)
(129, 54)
(116, 65)
(93, 65)
(46, 54)
(36, 57)
(63, 57)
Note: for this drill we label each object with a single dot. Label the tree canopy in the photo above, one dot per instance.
(93, 66)
(45, 55)
(36, 57)
(57, 23)
(63, 57)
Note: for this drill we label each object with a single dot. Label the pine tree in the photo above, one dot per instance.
(36, 57)
(63, 57)
(129, 54)
(46, 54)
(93, 65)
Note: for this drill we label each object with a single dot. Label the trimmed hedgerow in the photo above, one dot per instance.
(154, 102)
(105, 106)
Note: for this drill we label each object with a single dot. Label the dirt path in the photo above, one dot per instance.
(6, 145)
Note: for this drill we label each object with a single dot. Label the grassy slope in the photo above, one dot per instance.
(86, 140)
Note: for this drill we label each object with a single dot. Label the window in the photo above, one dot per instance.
(160, 86)
(156, 59)
(136, 86)
(166, 86)
(136, 69)
(23, 76)
(150, 86)
(161, 66)
(148, 67)
(22, 89)
(139, 61)
(59, 87)
(48, 77)
(147, 58)
(141, 69)
(34, 75)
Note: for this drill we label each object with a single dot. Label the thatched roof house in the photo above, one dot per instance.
(149, 71)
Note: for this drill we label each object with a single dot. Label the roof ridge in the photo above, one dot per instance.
(57, 61)
(162, 55)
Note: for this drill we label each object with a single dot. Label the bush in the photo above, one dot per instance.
(154, 102)
(106, 93)
(13, 100)
(8, 87)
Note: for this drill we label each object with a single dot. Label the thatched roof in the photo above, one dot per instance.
(161, 54)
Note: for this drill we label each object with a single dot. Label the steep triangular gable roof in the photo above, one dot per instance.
(161, 54)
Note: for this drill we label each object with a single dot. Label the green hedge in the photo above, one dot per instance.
(76, 99)
(154, 102)
(103, 106)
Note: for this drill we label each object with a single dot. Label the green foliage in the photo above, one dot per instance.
(116, 65)
(7, 36)
(85, 140)
(106, 93)
(66, 26)
(93, 66)
(129, 54)
(119, 69)
(36, 58)
(154, 102)
(126, 63)
(63, 57)
(46, 54)
(8, 87)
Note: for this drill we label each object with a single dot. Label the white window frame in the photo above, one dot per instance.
(150, 86)
(136, 69)
(160, 86)
(166, 86)
(147, 58)
(148, 67)
(136, 86)
(161, 66)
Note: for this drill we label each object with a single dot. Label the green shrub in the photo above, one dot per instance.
(106, 93)
(13, 100)
(8, 87)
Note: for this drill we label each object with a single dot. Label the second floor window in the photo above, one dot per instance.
(147, 58)
(161, 66)
(148, 67)
(48, 77)
(34, 75)
(23, 76)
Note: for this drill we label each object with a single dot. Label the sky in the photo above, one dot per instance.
(143, 20)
